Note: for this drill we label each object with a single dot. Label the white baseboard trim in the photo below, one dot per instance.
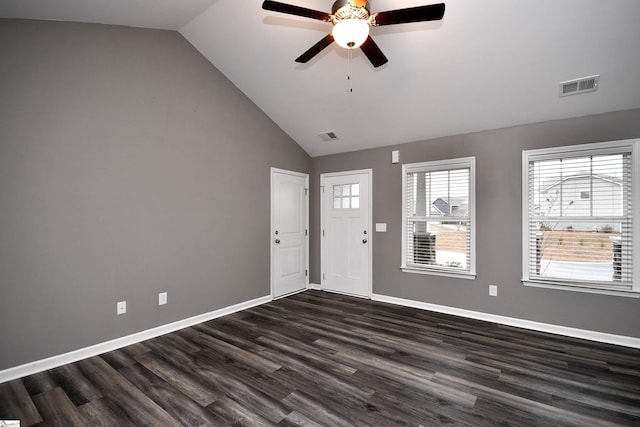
(94, 350)
(315, 286)
(512, 321)
(290, 293)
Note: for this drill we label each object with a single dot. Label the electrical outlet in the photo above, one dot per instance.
(121, 307)
(162, 298)
(493, 290)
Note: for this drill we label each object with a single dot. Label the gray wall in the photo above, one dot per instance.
(129, 165)
(499, 211)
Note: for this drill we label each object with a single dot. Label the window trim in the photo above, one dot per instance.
(433, 166)
(580, 150)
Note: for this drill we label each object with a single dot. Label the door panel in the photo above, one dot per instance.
(356, 248)
(291, 261)
(345, 246)
(290, 200)
(337, 240)
(289, 232)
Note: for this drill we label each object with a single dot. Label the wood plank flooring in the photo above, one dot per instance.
(318, 358)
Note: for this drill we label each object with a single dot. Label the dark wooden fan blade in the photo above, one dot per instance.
(432, 12)
(315, 49)
(276, 6)
(373, 52)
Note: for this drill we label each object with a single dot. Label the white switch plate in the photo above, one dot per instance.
(493, 290)
(381, 227)
(121, 307)
(162, 298)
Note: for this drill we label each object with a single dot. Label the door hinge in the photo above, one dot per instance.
(323, 232)
(322, 276)
(306, 273)
(306, 232)
(306, 191)
(322, 188)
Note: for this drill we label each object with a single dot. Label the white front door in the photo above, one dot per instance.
(346, 232)
(289, 232)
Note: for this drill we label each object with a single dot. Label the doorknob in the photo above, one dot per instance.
(364, 240)
(277, 240)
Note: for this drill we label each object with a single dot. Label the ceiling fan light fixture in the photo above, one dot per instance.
(350, 33)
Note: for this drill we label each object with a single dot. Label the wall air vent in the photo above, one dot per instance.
(328, 136)
(582, 85)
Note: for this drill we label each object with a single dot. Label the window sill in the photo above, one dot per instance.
(577, 288)
(458, 275)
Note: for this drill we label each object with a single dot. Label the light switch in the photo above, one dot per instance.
(121, 307)
(381, 227)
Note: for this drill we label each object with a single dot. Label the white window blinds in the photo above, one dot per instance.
(579, 224)
(438, 216)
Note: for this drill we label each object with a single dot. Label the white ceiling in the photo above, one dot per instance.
(488, 64)
(163, 14)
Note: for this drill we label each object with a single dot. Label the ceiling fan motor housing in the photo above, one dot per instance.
(350, 9)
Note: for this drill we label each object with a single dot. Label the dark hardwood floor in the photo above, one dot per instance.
(324, 359)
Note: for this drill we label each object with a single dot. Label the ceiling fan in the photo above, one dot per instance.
(351, 20)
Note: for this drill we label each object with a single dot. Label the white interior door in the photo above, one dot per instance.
(346, 232)
(289, 232)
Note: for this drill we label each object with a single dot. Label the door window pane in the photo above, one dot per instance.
(346, 196)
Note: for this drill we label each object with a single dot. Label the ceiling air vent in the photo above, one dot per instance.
(328, 136)
(585, 84)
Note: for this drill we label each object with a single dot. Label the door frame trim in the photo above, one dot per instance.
(369, 173)
(271, 266)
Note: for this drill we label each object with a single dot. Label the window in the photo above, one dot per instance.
(438, 217)
(577, 214)
(346, 196)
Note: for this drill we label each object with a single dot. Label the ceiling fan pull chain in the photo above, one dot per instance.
(349, 69)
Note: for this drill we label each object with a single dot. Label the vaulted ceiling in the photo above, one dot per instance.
(488, 64)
